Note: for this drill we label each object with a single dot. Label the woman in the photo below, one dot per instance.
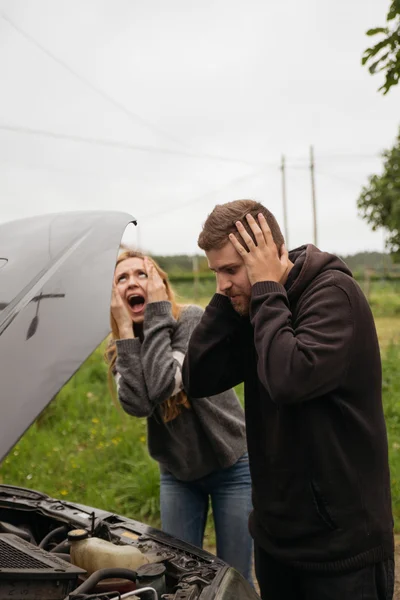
(199, 443)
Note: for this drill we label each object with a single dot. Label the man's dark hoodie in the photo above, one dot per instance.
(309, 357)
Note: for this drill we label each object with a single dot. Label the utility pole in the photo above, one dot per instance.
(314, 202)
(285, 221)
(384, 264)
(195, 268)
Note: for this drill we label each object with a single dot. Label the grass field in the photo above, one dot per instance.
(85, 449)
(388, 329)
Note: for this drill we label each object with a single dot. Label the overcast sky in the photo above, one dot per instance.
(222, 88)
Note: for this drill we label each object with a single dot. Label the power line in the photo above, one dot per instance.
(125, 145)
(129, 113)
(143, 148)
(132, 115)
(339, 178)
(136, 117)
(336, 156)
(347, 155)
(153, 149)
(184, 205)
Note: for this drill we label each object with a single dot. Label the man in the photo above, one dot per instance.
(297, 329)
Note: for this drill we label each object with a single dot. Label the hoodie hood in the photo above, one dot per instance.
(310, 262)
(56, 276)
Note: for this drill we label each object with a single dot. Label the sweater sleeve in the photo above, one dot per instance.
(308, 361)
(214, 359)
(164, 347)
(129, 377)
(150, 372)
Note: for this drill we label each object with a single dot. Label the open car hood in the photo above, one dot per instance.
(55, 289)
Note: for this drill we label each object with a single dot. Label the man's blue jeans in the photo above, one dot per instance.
(184, 507)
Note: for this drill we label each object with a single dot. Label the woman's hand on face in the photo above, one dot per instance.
(156, 290)
(121, 315)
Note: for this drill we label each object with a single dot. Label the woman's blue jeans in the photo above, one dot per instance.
(184, 507)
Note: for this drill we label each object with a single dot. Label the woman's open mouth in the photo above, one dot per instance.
(136, 303)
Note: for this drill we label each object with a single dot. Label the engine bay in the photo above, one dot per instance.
(37, 550)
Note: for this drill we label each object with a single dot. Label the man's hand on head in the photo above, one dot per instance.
(263, 261)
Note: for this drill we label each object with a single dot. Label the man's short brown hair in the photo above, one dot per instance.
(221, 222)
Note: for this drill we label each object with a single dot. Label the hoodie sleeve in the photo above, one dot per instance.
(305, 361)
(214, 360)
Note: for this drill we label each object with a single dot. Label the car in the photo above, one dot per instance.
(55, 286)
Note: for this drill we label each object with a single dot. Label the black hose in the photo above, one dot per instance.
(101, 574)
(25, 534)
(63, 546)
(52, 534)
(62, 555)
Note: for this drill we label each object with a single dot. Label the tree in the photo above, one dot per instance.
(385, 55)
(379, 201)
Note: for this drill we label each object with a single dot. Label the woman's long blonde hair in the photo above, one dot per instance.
(171, 407)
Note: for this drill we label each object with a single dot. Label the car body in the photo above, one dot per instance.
(55, 287)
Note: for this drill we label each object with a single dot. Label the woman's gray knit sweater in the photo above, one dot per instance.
(208, 436)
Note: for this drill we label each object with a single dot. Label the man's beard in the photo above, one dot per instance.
(242, 307)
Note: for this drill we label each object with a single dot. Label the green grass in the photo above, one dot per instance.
(85, 449)
(384, 299)
(388, 329)
(391, 397)
(201, 294)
